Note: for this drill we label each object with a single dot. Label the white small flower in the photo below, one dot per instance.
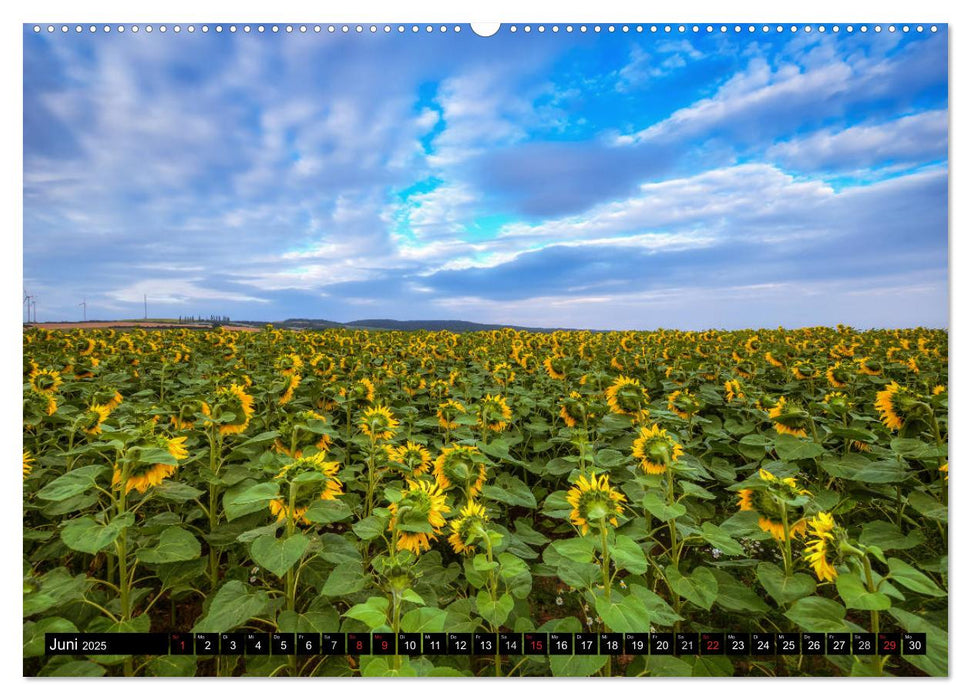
(252, 579)
(589, 621)
(255, 570)
(715, 552)
(559, 600)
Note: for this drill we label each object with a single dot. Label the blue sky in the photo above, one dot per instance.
(585, 180)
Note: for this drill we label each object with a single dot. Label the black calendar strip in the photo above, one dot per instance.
(752, 644)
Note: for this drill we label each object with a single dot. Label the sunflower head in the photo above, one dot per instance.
(503, 374)
(448, 412)
(627, 397)
(410, 459)
(870, 366)
(231, 409)
(418, 516)
(595, 502)
(93, 418)
(556, 367)
(288, 364)
(733, 391)
(28, 463)
(770, 498)
(574, 409)
(302, 431)
(802, 370)
(683, 403)
(463, 466)
(838, 375)
(789, 419)
(378, 423)
(310, 479)
(468, 528)
(838, 402)
(896, 405)
(494, 413)
(656, 450)
(823, 545)
(45, 381)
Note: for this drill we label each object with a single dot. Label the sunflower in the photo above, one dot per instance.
(821, 528)
(733, 390)
(448, 412)
(95, 416)
(460, 465)
(494, 413)
(233, 400)
(656, 450)
(594, 502)
(293, 381)
(627, 397)
(803, 370)
(573, 410)
(789, 419)
(301, 432)
(45, 381)
(943, 471)
(938, 390)
(770, 358)
(28, 463)
(410, 459)
(289, 365)
(838, 402)
(869, 366)
(503, 374)
(893, 404)
(143, 476)
(468, 528)
(418, 516)
(378, 423)
(412, 384)
(555, 367)
(838, 376)
(309, 491)
(765, 503)
(683, 404)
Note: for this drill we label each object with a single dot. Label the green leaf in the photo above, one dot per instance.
(657, 507)
(712, 666)
(927, 506)
(494, 612)
(700, 587)
(909, 577)
(511, 490)
(381, 667)
(815, 614)
(177, 491)
(627, 554)
(327, 512)
(887, 536)
(76, 481)
(784, 589)
(279, 555)
(370, 527)
(172, 666)
(56, 587)
(174, 544)
(345, 579)
(857, 597)
(885, 471)
(734, 596)
(791, 449)
(373, 612)
(622, 613)
(247, 497)
(720, 539)
(578, 549)
(233, 605)
(423, 620)
(85, 534)
(655, 606)
(73, 668)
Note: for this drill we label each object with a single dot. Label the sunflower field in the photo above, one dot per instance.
(356, 481)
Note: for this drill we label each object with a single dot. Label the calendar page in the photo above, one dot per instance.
(516, 350)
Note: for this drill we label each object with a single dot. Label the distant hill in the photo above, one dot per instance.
(388, 324)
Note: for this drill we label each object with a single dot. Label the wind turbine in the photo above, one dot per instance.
(85, 305)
